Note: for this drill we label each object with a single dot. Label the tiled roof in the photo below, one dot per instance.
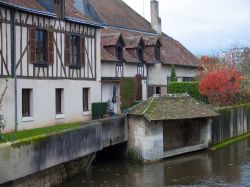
(71, 9)
(132, 41)
(172, 107)
(107, 56)
(110, 39)
(172, 51)
(28, 4)
(118, 13)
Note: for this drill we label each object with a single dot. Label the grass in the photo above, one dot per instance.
(230, 141)
(19, 135)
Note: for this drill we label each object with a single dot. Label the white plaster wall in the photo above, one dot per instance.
(44, 100)
(130, 70)
(108, 69)
(107, 94)
(43, 104)
(159, 73)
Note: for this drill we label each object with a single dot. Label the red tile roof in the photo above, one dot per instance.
(172, 51)
(110, 39)
(30, 4)
(107, 56)
(118, 13)
(71, 10)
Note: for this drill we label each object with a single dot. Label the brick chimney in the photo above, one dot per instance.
(155, 19)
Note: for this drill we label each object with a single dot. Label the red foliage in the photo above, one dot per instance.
(220, 83)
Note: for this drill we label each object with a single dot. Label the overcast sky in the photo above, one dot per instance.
(203, 26)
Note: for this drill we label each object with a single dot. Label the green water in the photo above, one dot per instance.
(229, 166)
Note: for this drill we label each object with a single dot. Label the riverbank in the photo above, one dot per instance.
(230, 141)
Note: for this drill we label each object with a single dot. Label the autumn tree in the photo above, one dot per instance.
(220, 83)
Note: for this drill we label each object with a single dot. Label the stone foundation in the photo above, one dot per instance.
(55, 175)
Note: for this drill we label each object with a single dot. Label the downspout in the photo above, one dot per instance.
(147, 79)
(13, 56)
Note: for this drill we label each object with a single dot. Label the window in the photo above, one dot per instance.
(41, 46)
(140, 54)
(59, 101)
(75, 44)
(158, 90)
(26, 102)
(140, 69)
(157, 52)
(74, 51)
(187, 79)
(119, 51)
(85, 99)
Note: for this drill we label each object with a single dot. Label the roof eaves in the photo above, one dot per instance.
(44, 13)
(84, 22)
(129, 29)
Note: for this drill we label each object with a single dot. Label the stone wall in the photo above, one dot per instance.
(26, 157)
(55, 175)
(233, 121)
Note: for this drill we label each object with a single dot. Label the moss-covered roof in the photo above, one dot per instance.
(172, 107)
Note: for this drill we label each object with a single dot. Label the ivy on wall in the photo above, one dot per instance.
(128, 92)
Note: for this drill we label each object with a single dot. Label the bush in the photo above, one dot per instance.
(221, 83)
(192, 88)
(98, 110)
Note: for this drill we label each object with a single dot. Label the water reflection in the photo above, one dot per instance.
(229, 166)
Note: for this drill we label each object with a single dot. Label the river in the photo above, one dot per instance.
(229, 166)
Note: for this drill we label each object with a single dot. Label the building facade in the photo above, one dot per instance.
(50, 54)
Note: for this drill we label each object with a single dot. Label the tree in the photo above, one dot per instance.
(173, 74)
(240, 56)
(221, 83)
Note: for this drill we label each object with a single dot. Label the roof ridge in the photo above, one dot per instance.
(150, 103)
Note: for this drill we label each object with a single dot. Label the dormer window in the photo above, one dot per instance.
(119, 53)
(157, 52)
(140, 54)
(59, 8)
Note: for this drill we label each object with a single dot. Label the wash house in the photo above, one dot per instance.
(165, 126)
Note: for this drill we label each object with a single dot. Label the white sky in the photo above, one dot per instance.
(203, 26)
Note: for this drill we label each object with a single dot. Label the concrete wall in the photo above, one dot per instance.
(23, 158)
(156, 140)
(159, 73)
(234, 121)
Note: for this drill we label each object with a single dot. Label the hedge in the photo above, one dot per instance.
(98, 110)
(192, 88)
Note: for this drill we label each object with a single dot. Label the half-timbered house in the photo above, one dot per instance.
(50, 54)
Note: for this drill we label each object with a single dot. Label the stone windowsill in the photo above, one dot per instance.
(27, 119)
(86, 113)
(60, 116)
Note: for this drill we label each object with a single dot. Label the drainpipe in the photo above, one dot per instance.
(13, 59)
(147, 66)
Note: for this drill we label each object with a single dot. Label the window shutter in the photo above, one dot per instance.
(50, 47)
(82, 51)
(32, 45)
(67, 50)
